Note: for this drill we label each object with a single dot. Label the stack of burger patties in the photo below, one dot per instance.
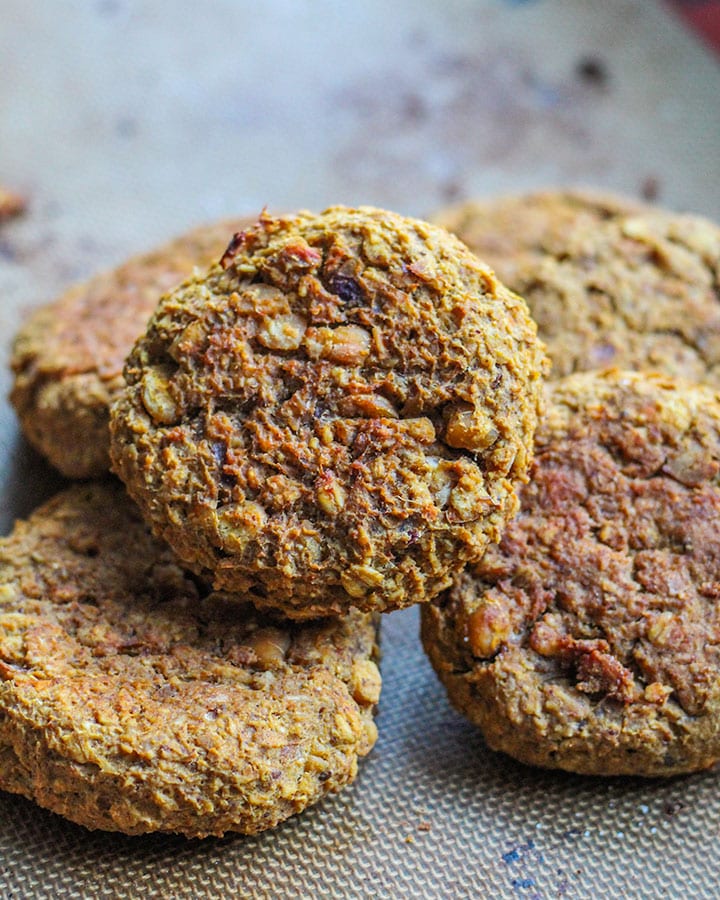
(334, 416)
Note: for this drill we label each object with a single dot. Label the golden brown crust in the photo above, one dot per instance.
(133, 700)
(68, 357)
(336, 416)
(588, 638)
(608, 280)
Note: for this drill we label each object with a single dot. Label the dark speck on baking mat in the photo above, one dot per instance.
(8, 252)
(451, 190)
(417, 38)
(673, 807)
(108, 7)
(592, 71)
(413, 107)
(571, 834)
(650, 188)
(126, 127)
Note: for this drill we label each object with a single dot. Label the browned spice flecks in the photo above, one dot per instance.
(587, 639)
(335, 415)
(133, 699)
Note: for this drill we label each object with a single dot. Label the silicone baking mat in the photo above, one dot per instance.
(125, 122)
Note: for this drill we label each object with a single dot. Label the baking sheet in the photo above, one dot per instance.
(125, 122)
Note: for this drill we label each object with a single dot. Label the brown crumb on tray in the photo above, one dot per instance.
(11, 204)
(587, 639)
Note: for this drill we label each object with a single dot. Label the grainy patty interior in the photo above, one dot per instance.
(337, 415)
(134, 699)
(588, 637)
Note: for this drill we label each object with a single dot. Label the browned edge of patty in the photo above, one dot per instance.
(134, 699)
(588, 638)
(67, 358)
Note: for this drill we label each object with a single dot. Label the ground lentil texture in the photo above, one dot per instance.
(609, 281)
(68, 357)
(335, 416)
(587, 639)
(132, 699)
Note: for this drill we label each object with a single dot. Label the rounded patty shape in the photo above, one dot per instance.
(132, 699)
(588, 638)
(610, 282)
(68, 357)
(335, 416)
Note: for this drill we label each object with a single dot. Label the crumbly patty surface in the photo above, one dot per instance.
(133, 700)
(588, 638)
(68, 357)
(336, 416)
(610, 282)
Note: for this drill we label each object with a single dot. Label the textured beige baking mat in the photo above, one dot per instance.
(126, 121)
